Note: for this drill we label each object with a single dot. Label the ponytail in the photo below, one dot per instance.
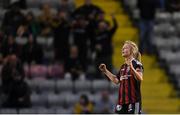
(138, 56)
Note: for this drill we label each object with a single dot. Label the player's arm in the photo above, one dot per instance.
(111, 76)
(137, 72)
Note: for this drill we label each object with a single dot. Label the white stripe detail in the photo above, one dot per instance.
(136, 108)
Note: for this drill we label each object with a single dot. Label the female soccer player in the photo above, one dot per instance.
(129, 76)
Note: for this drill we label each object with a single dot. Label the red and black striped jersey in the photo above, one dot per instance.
(129, 88)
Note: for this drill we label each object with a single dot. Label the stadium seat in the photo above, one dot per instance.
(41, 40)
(82, 85)
(61, 110)
(38, 71)
(38, 100)
(175, 69)
(71, 99)
(176, 17)
(21, 40)
(56, 70)
(28, 111)
(33, 84)
(168, 43)
(114, 87)
(55, 100)
(99, 85)
(50, 41)
(164, 29)
(46, 111)
(46, 86)
(35, 11)
(163, 17)
(8, 111)
(64, 85)
(96, 97)
(114, 97)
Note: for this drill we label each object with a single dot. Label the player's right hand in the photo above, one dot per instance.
(102, 67)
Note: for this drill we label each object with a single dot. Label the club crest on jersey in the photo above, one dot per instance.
(118, 107)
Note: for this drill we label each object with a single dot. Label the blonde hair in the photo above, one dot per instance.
(134, 50)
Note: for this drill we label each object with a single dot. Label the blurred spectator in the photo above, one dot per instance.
(84, 106)
(11, 66)
(22, 31)
(173, 5)
(61, 36)
(87, 10)
(147, 14)
(103, 43)
(73, 64)
(32, 52)
(12, 20)
(80, 35)
(9, 46)
(19, 3)
(66, 6)
(104, 105)
(13, 85)
(92, 27)
(32, 24)
(46, 19)
(1, 43)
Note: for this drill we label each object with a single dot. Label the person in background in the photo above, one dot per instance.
(84, 106)
(22, 31)
(66, 6)
(103, 43)
(46, 19)
(13, 18)
(104, 105)
(19, 3)
(80, 38)
(87, 10)
(32, 25)
(92, 27)
(73, 64)
(147, 15)
(1, 43)
(173, 5)
(61, 36)
(32, 52)
(9, 46)
(16, 90)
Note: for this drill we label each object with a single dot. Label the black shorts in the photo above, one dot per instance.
(134, 108)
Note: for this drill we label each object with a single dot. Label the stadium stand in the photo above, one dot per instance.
(52, 91)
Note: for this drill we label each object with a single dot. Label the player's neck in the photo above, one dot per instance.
(128, 59)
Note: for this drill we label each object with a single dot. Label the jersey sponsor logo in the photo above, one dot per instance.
(124, 77)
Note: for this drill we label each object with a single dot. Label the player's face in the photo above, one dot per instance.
(126, 50)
